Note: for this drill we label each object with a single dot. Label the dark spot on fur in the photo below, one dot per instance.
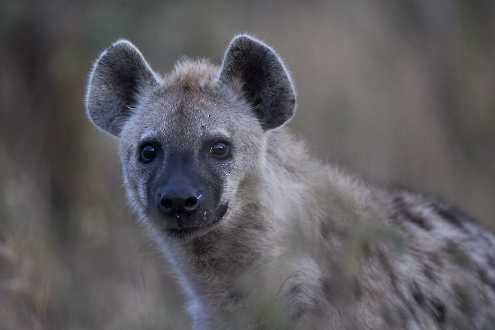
(434, 305)
(483, 275)
(366, 248)
(388, 317)
(404, 210)
(393, 280)
(463, 299)
(438, 310)
(297, 313)
(342, 289)
(295, 290)
(429, 273)
(324, 230)
(417, 294)
(235, 295)
(490, 259)
(256, 102)
(358, 290)
(335, 290)
(458, 256)
(327, 288)
(454, 216)
(485, 279)
(436, 259)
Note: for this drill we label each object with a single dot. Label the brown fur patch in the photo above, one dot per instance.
(193, 74)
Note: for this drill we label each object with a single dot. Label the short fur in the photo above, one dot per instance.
(302, 245)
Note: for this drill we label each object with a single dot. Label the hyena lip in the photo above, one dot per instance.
(187, 232)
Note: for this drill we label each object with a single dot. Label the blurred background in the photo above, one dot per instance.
(400, 92)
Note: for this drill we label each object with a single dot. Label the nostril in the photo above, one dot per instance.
(191, 204)
(174, 203)
(166, 203)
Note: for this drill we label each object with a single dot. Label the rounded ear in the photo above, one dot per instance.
(119, 76)
(265, 81)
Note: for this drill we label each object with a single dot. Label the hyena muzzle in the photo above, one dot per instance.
(261, 235)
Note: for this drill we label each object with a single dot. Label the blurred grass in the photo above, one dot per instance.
(401, 92)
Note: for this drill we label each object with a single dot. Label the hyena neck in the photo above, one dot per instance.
(214, 260)
(211, 265)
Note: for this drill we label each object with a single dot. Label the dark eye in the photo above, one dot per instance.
(220, 150)
(148, 152)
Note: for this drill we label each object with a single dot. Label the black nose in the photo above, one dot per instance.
(172, 202)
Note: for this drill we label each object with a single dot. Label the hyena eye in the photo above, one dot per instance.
(220, 150)
(148, 152)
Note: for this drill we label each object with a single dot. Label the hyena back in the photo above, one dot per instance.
(261, 235)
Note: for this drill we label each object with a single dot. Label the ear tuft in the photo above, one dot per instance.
(119, 76)
(267, 85)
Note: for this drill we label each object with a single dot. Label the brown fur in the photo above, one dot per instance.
(193, 75)
(303, 245)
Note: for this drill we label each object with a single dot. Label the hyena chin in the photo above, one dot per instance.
(261, 235)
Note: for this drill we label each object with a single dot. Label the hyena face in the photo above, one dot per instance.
(188, 140)
(184, 155)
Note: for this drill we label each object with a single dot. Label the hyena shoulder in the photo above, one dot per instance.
(426, 266)
(431, 264)
(449, 270)
(377, 259)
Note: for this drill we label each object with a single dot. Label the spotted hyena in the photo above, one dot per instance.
(261, 235)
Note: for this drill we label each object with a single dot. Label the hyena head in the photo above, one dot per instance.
(188, 140)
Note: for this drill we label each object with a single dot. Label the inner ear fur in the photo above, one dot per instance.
(119, 76)
(266, 83)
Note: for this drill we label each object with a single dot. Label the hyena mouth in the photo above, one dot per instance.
(200, 229)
